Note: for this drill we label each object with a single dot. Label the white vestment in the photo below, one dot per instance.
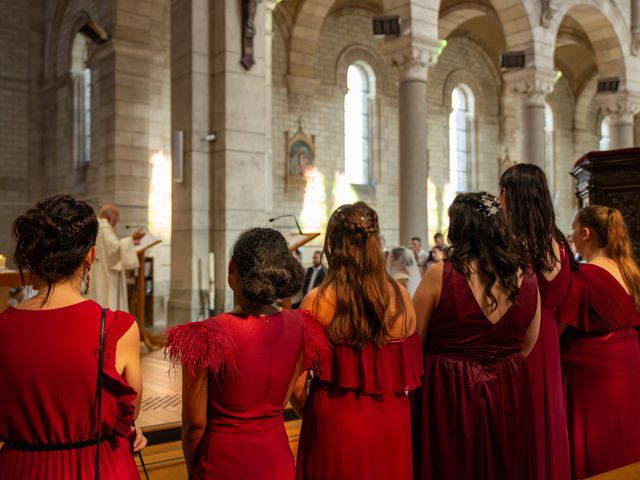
(108, 285)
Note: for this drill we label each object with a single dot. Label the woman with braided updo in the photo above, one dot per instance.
(49, 358)
(238, 368)
(478, 316)
(356, 419)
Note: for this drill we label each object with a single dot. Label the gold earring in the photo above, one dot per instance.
(86, 273)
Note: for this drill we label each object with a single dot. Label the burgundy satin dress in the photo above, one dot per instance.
(251, 360)
(601, 373)
(476, 416)
(48, 376)
(550, 421)
(357, 421)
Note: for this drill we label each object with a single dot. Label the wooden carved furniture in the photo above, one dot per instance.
(612, 178)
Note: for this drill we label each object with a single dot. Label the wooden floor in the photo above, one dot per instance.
(161, 397)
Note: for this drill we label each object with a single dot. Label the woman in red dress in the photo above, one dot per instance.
(239, 367)
(49, 358)
(356, 418)
(478, 316)
(525, 197)
(601, 358)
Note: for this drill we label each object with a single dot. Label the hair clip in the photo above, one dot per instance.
(489, 205)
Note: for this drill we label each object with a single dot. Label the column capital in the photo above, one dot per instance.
(411, 57)
(620, 107)
(531, 84)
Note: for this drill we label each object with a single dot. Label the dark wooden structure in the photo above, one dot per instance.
(612, 178)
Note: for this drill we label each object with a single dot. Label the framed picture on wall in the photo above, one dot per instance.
(301, 155)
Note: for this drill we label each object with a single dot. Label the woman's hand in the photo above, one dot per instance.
(140, 440)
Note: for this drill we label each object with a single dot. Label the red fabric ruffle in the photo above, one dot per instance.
(393, 368)
(316, 347)
(124, 393)
(198, 346)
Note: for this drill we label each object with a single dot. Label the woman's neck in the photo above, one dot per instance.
(61, 294)
(244, 306)
(592, 254)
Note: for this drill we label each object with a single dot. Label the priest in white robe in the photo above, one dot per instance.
(108, 285)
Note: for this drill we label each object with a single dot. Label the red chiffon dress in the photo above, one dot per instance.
(357, 421)
(543, 363)
(251, 360)
(48, 378)
(476, 417)
(601, 370)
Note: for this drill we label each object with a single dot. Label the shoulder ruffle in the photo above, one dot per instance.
(393, 368)
(124, 393)
(197, 345)
(316, 348)
(574, 309)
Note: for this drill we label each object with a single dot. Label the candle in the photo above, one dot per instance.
(3, 262)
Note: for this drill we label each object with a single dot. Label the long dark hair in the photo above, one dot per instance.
(358, 276)
(267, 269)
(612, 235)
(53, 239)
(478, 231)
(531, 217)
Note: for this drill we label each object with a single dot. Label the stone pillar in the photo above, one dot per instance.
(635, 27)
(620, 108)
(190, 113)
(532, 86)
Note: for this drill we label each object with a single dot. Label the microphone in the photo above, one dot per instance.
(134, 226)
(288, 215)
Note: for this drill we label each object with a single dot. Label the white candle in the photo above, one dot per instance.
(3, 262)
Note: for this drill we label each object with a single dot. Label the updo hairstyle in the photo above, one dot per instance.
(53, 239)
(267, 269)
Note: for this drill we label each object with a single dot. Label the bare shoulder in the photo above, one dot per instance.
(320, 303)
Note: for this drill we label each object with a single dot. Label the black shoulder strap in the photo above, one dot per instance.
(103, 322)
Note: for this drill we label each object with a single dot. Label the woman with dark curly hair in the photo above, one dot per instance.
(356, 418)
(478, 316)
(525, 198)
(238, 368)
(52, 422)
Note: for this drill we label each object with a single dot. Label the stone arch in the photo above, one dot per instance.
(354, 53)
(459, 13)
(457, 77)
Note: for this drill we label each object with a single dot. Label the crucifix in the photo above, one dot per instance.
(249, 8)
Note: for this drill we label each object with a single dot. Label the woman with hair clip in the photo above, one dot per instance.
(478, 316)
(52, 416)
(525, 198)
(601, 357)
(356, 419)
(238, 368)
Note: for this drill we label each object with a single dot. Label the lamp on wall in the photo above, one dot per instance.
(94, 32)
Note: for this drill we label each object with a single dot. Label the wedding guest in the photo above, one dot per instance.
(478, 316)
(356, 416)
(402, 267)
(315, 273)
(526, 200)
(421, 256)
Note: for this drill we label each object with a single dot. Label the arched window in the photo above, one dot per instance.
(81, 78)
(461, 122)
(548, 145)
(358, 123)
(605, 134)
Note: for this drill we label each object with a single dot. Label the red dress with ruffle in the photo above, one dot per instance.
(251, 360)
(48, 377)
(601, 373)
(543, 363)
(476, 399)
(357, 422)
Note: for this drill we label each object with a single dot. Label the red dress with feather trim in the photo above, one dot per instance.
(601, 373)
(48, 375)
(476, 417)
(357, 422)
(251, 360)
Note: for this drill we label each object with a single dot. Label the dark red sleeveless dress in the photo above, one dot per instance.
(251, 361)
(357, 420)
(543, 363)
(476, 416)
(601, 371)
(48, 375)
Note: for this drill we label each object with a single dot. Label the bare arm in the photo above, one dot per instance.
(427, 297)
(128, 361)
(194, 415)
(299, 393)
(531, 336)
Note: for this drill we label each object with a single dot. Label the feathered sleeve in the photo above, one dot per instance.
(574, 309)
(316, 348)
(200, 346)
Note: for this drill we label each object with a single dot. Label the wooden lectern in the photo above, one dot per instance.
(137, 302)
(612, 178)
(295, 241)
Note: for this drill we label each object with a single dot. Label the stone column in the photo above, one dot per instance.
(532, 86)
(620, 108)
(635, 27)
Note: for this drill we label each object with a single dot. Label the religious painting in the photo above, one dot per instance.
(301, 153)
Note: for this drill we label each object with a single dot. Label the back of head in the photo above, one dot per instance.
(267, 269)
(612, 235)
(53, 239)
(531, 216)
(358, 277)
(478, 232)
